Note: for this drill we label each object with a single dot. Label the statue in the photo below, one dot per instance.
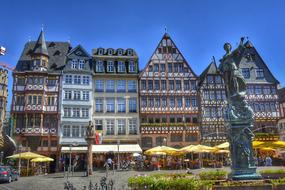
(90, 130)
(238, 117)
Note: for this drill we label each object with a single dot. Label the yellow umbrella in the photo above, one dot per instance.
(165, 149)
(26, 155)
(202, 148)
(45, 159)
(267, 149)
(224, 145)
(221, 151)
(255, 144)
(157, 154)
(187, 149)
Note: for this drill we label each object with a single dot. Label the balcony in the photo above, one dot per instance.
(36, 131)
(34, 87)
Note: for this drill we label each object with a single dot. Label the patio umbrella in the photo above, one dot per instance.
(157, 154)
(221, 151)
(164, 149)
(26, 156)
(224, 145)
(257, 143)
(44, 159)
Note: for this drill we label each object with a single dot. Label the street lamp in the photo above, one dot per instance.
(118, 144)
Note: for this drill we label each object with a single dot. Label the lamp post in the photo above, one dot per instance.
(118, 144)
(20, 149)
(2, 154)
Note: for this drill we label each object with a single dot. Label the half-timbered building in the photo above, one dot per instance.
(281, 122)
(35, 103)
(168, 99)
(3, 95)
(212, 106)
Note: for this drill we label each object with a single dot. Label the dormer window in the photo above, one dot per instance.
(110, 52)
(99, 67)
(120, 52)
(121, 67)
(37, 63)
(110, 66)
(130, 52)
(81, 64)
(100, 52)
(74, 63)
(132, 67)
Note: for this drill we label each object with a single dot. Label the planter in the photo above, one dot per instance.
(248, 187)
(273, 175)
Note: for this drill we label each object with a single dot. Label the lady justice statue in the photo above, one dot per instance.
(238, 118)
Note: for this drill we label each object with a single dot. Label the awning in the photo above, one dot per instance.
(104, 148)
(123, 148)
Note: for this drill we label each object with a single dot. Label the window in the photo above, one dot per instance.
(121, 126)
(193, 85)
(86, 80)
(155, 68)
(218, 95)
(44, 143)
(273, 107)
(100, 52)
(110, 127)
(99, 104)
(207, 112)
(67, 95)
(157, 102)
(74, 63)
(171, 84)
(76, 112)
(210, 79)
(39, 100)
(266, 89)
(187, 102)
(110, 66)
(191, 137)
(170, 67)
(245, 73)
(110, 86)
(150, 68)
(132, 67)
(156, 85)
(77, 79)
(176, 67)
(258, 90)
(81, 64)
(66, 131)
(76, 95)
(212, 95)
(51, 82)
(51, 101)
(176, 137)
(34, 100)
(147, 142)
(85, 95)
(99, 66)
(194, 102)
(273, 90)
(186, 85)
(144, 102)
(164, 102)
(172, 102)
(250, 89)
(120, 52)
(179, 102)
(259, 73)
(82, 131)
(99, 124)
(163, 84)
(75, 131)
(21, 81)
(20, 101)
(110, 52)
(218, 79)
(150, 102)
(121, 86)
(110, 106)
(132, 126)
(121, 105)
(121, 67)
(178, 85)
(143, 84)
(180, 68)
(85, 112)
(99, 85)
(132, 85)
(133, 105)
(150, 87)
(67, 112)
(162, 67)
(130, 52)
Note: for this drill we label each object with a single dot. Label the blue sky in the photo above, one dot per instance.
(199, 28)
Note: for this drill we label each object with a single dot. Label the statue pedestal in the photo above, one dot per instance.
(90, 141)
(243, 163)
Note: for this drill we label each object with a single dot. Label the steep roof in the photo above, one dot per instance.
(211, 69)
(40, 46)
(57, 55)
(281, 95)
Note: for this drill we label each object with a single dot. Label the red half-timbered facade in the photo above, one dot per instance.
(168, 99)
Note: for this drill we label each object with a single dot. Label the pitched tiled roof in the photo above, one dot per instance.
(41, 47)
(211, 69)
(57, 55)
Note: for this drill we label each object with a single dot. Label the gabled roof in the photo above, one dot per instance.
(80, 48)
(167, 36)
(212, 69)
(40, 46)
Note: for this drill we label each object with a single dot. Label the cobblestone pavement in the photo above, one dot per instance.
(56, 181)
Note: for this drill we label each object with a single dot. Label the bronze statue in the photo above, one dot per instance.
(238, 117)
